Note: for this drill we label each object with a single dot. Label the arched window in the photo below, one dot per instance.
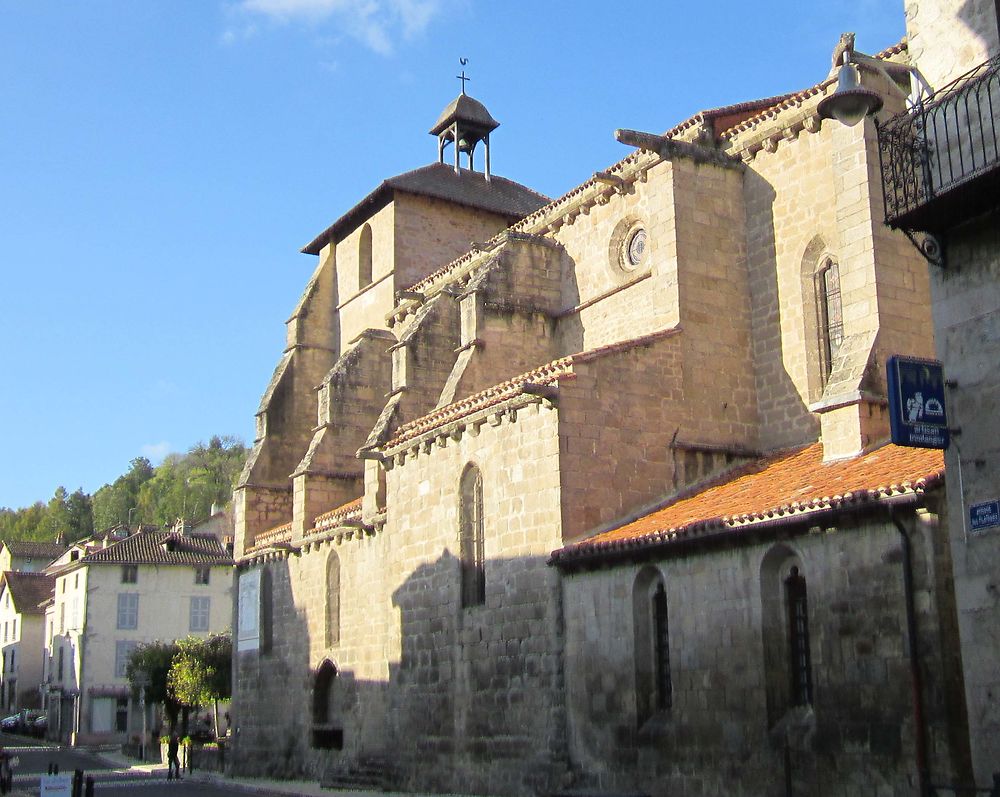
(324, 735)
(332, 599)
(471, 538)
(785, 628)
(653, 681)
(830, 311)
(800, 662)
(365, 257)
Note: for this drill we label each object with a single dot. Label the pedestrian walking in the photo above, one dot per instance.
(173, 763)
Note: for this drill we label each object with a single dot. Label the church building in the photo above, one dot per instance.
(550, 495)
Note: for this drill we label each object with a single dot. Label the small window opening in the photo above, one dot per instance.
(798, 638)
(365, 257)
(831, 314)
(471, 541)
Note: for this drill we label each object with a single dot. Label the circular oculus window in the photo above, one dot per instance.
(635, 248)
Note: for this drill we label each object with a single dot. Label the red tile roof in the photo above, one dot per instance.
(28, 589)
(548, 374)
(272, 536)
(784, 487)
(798, 97)
(349, 511)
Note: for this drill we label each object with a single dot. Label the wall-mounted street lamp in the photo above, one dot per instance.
(852, 102)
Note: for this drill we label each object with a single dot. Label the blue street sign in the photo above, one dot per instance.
(984, 516)
(917, 416)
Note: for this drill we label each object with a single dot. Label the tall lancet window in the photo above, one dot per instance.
(798, 638)
(471, 538)
(661, 649)
(365, 257)
(831, 316)
(333, 599)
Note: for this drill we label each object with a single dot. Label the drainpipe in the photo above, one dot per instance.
(923, 772)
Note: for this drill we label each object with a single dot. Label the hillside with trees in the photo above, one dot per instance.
(183, 485)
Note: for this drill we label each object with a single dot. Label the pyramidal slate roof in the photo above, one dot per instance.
(465, 109)
(161, 548)
(28, 589)
(439, 181)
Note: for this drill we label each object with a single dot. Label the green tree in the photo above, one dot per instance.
(24, 524)
(81, 515)
(154, 659)
(201, 672)
(113, 501)
(56, 523)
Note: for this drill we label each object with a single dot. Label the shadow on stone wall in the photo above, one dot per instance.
(473, 700)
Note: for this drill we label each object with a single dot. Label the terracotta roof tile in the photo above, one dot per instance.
(349, 511)
(29, 589)
(161, 548)
(272, 536)
(548, 374)
(784, 486)
(798, 97)
(719, 116)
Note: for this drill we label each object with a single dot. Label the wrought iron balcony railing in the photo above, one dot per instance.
(940, 160)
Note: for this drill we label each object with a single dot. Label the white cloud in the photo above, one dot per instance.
(375, 23)
(155, 452)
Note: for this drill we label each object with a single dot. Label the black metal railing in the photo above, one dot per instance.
(946, 142)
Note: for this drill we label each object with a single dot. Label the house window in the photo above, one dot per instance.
(471, 538)
(5, 631)
(831, 316)
(333, 599)
(13, 633)
(121, 715)
(76, 581)
(123, 650)
(62, 618)
(130, 574)
(62, 660)
(200, 609)
(128, 610)
(202, 575)
(798, 638)
(653, 680)
(365, 257)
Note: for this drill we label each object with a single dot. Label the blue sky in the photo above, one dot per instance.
(162, 162)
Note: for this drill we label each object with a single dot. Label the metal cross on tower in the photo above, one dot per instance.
(462, 77)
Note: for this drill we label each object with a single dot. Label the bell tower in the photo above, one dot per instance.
(464, 123)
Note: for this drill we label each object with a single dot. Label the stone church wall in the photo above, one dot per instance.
(614, 302)
(430, 233)
(361, 305)
(726, 729)
(449, 698)
(475, 693)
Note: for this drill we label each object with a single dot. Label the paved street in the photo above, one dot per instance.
(164, 789)
(34, 758)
